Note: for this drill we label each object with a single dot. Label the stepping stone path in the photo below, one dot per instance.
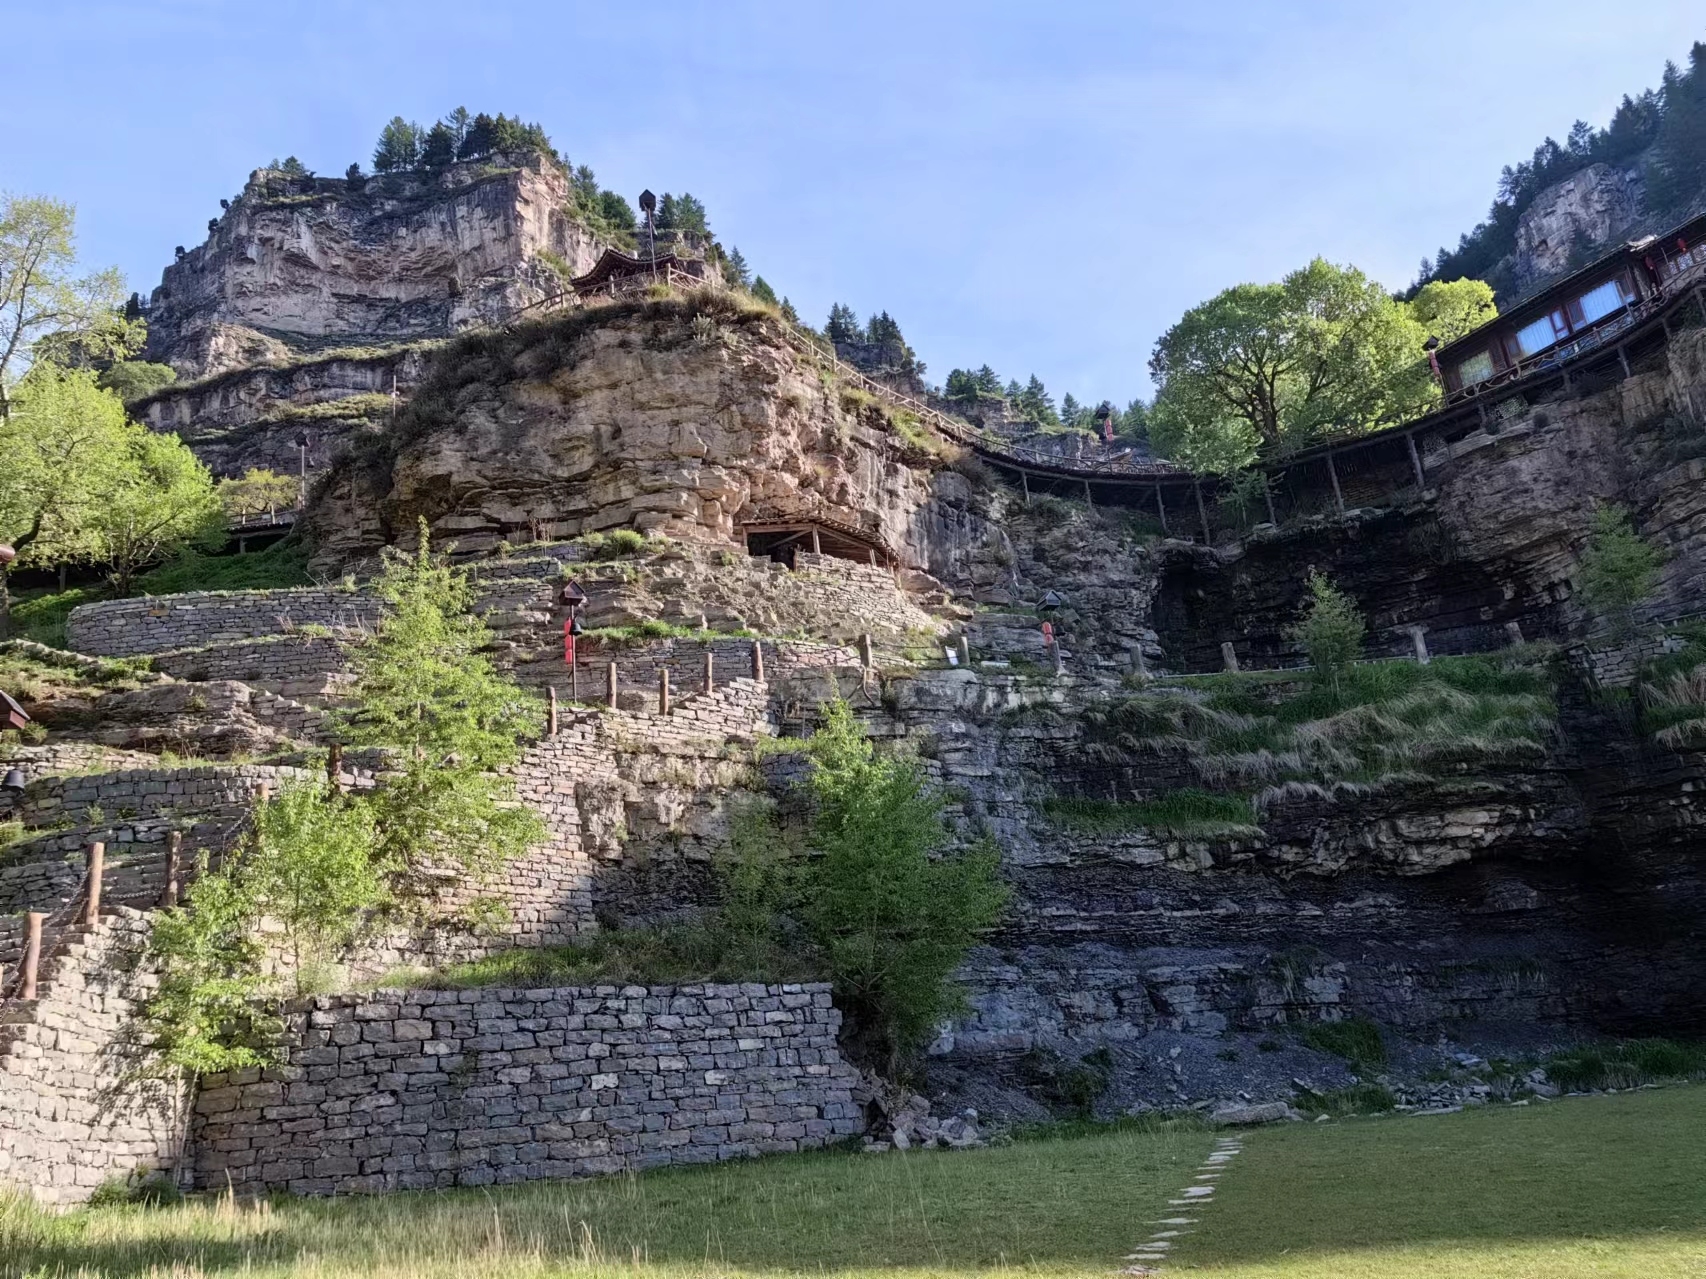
(1145, 1260)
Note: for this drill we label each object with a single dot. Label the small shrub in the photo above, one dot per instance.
(1330, 631)
(1356, 1039)
(1619, 569)
(1625, 1065)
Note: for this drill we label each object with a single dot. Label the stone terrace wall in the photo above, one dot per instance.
(637, 665)
(161, 624)
(619, 784)
(74, 1109)
(265, 661)
(414, 1089)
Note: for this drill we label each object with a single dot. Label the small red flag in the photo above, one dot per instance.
(568, 643)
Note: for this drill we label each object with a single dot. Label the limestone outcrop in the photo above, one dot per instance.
(1569, 220)
(310, 260)
(688, 416)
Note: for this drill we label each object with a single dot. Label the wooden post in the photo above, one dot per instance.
(1228, 656)
(1202, 513)
(610, 685)
(1161, 508)
(335, 767)
(663, 691)
(551, 712)
(1338, 494)
(1623, 359)
(1268, 496)
(174, 868)
(1418, 636)
(1025, 484)
(865, 650)
(97, 870)
(817, 545)
(710, 670)
(965, 649)
(32, 952)
(1088, 500)
(872, 553)
(758, 661)
(1416, 461)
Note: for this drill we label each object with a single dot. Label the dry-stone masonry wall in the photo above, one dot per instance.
(160, 624)
(266, 661)
(406, 1089)
(77, 1106)
(613, 783)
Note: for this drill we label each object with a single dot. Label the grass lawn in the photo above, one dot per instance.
(1600, 1186)
(1050, 1207)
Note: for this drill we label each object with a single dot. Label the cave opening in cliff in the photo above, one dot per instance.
(782, 541)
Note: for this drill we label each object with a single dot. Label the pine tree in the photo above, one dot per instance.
(988, 381)
(399, 147)
(459, 122)
(789, 313)
(762, 291)
(735, 271)
(478, 140)
(843, 325)
(438, 150)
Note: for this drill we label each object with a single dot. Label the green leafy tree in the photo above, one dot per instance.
(313, 869)
(205, 1012)
(64, 444)
(40, 291)
(158, 501)
(133, 380)
(1330, 630)
(1276, 366)
(763, 292)
(399, 147)
(1133, 423)
(1618, 569)
(1449, 310)
(426, 689)
(258, 492)
(961, 386)
(617, 211)
(893, 913)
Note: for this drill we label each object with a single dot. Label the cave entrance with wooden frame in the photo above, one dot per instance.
(782, 540)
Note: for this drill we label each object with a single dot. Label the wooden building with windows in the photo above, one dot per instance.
(1587, 309)
(616, 273)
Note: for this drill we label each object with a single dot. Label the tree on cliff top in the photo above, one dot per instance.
(1448, 310)
(1276, 366)
(399, 146)
(1677, 174)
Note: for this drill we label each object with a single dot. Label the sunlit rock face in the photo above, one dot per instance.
(1583, 212)
(322, 260)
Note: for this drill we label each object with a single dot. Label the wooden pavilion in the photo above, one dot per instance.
(616, 273)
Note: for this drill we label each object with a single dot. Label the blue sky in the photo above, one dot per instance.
(1044, 187)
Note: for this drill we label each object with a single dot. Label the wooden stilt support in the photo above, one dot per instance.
(1623, 359)
(663, 691)
(1088, 500)
(1338, 494)
(610, 685)
(174, 868)
(551, 712)
(965, 649)
(33, 921)
(1161, 508)
(1025, 484)
(757, 661)
(1202, 513)
(817, 542)
(1268, 497)
(1416, 461)
(97, 857)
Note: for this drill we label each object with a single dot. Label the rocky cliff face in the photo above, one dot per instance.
(386, 258)
(1568, 222)
(687, 416)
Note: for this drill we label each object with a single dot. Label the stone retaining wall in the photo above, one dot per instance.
(149, 792)
(416, 1089)
(161, 624)
(265, 661)
(76, 1108)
